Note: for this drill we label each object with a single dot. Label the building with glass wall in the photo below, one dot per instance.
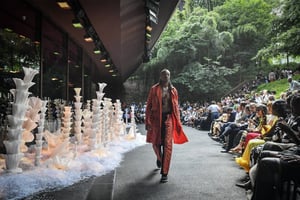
(29, 39)
(53, 39)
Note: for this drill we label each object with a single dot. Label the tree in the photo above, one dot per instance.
(205, 49)
(286, 29)
(205, 80)
(250, 23)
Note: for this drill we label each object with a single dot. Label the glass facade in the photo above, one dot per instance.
(29, 39)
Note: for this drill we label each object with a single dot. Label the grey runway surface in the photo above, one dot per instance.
(199, 171)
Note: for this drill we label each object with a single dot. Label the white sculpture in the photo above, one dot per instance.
(119, 126)
(107, 115)
(32, 118)
(78, 116)
(95, 124)
(133, 128)
(13, 144)
(87, 123)
(40, 134)
(94, 129)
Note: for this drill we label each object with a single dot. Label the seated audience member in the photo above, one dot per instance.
(294, 85)
(233, 116)
(234, 137)
(231, 132)
(237, 117)
(203, 120)
(279, 111)
(278, 161)
(278, 141)
(206, 121)
(228, 116)
(254, 130)
(214, 110)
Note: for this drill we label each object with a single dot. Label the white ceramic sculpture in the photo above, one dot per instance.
(101, 87)
(40, 134)
(133, 128)
(32, 118)
(118, 126)
(66, 120)
(78, 116)
(88, 105)
(95, 123)
(95, 139)
(87, 123)
(13, 144)
(94, 128)
(59, 105)
(106, 130)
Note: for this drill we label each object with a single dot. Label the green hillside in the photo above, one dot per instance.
(278, 86)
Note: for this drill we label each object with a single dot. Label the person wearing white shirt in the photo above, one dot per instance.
(294, 85)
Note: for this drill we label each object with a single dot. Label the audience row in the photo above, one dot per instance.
(264, 139)
(262, 134)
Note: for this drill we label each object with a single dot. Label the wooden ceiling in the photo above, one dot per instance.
(119, 24)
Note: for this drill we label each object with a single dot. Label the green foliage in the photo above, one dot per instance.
(17, 52)
(279, 86)
(201, 79)
(248, 20)
(211, 49)
(225, 41)
(285, 30)
(208, 4)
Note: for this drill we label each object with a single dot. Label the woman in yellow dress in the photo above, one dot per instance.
(278, 111)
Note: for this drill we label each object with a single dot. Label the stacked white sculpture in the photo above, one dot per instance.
(101, 130)
(40, 134)
(13, 144)
(107, 115)
(30, 123)
(88, 105)
(95, 124)
(93, 129)
(50, 121)
(59, 105)
(104, 121)
(66, 120)
(87, 125)
(133, 128)
(78, 116)
(118, 125)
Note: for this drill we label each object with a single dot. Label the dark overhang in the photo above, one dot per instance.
(118, 26)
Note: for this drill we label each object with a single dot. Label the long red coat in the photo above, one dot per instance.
(154, 115)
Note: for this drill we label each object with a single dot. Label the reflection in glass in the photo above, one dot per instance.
(54, 62)
(16, 52)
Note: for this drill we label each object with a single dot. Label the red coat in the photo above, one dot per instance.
(154, 114)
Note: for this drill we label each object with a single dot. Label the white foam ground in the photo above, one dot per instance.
(91, 163)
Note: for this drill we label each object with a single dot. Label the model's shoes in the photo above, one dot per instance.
(222, 138)
(216, 138)
(237, 149)
(158, 163)
(164, 178)
(247, 185)
(224, 145)
(224, 151)
(245, 179)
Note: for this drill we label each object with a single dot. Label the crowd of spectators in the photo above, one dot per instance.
(139, 110)
(260, 131)
(250, 86)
